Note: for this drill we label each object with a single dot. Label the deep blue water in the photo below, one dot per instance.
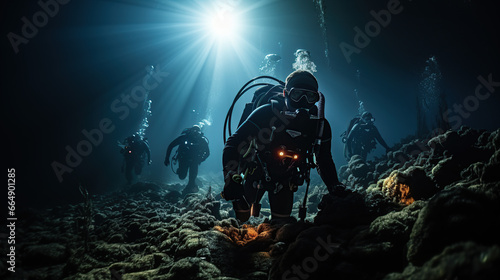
(78, 67)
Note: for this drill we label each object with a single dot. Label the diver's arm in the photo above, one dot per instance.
(379, 138)
(148, 151)
(174, 143)
(207, 154)
(353, 132)
(234, 144)
(205, 149)
(326, 166)
(348, 143)
(238, 142)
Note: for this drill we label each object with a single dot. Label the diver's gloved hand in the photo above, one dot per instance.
(166, 162)
(149, 162)
(233, 188)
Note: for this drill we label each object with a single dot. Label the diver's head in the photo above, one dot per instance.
(301, 90)
(367, 117)
(195, 130)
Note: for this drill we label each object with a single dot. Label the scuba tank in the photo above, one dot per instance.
(263, 97)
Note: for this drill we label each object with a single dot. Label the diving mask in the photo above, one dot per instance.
(295, 94)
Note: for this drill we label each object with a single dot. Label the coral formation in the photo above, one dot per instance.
(428, 210)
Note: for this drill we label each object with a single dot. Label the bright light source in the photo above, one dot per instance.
(223, 25)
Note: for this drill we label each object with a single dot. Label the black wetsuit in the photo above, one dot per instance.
(134, 153)
(193, 149)
(284, 146)
(361, 140)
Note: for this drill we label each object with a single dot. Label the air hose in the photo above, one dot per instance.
(244, 88)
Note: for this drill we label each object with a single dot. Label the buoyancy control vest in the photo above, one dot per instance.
(286, 157)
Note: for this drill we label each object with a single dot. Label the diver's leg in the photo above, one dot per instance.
(183, 169)
(357, 149)
(193, 173)
(241, 210)
(242, 207)
(191, 186)
(253, 196)
(281, 204)
(347, 152)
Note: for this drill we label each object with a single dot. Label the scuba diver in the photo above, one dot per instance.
(134, 149)
(192, 150)
(359, 139)
(275, 148)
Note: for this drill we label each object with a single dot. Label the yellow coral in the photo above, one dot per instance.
(394, 187)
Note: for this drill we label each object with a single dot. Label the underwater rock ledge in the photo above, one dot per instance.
(431, 214)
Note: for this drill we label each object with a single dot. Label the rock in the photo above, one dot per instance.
(116, 238)
(382, 247)
(192, 268)
(289, 232)
(414, 148)
(148, 232)
(277, 249)
(173, 196)
(110, 252)
(140, 275)
(473, 171)
(204, 254)
(343, 172)
(396, 226)
(139, 263)
(448, 141)
(190, 242)
(261, 262)
(490, 172)
(224, 252)
(467, 260)
(358, 167)
(446, 172)
(454, 216)
(381, 167)
(494, 139)
(134, 232)
(376, 202)
(100, 218)
(421, 186)
(404, 187)
(346, 211)
(143, 187)
(309, 256)
(44, 255)
(258, 275)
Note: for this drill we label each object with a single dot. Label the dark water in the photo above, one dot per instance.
(75, 77)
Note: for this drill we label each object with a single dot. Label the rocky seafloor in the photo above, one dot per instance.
(430, 209)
